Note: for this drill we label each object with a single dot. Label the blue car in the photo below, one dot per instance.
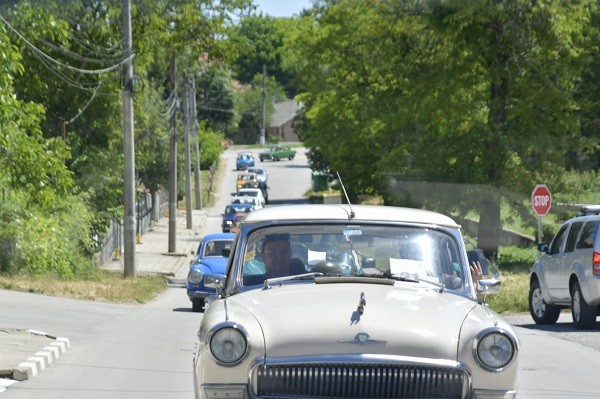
(209, 260)
(244, 160)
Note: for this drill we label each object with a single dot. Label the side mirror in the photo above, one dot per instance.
(215, 281)
(490, 285)
(543, 247)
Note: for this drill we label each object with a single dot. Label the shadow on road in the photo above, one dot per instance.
(184, 310)
(566, 327)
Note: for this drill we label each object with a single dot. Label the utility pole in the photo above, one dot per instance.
(197, 171)
(264, 104)
(173, 163)
(128, 147)
(188, 163)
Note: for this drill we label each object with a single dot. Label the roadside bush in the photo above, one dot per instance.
(47, 240)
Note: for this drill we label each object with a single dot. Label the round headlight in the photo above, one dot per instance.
(495, 350)
(228, 345)
(195, 276)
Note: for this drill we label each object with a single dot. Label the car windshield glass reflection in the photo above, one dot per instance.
(350, 250)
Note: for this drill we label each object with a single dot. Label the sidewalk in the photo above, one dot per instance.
(25, 353)
(152, 252)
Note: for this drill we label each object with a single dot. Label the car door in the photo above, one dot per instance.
(552, 263)
(569, 255)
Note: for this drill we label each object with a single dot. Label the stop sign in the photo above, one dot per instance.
(541, 200)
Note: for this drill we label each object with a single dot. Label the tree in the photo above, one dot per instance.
(423, 91)
(260, 42)
(249, 106)
(216, 98)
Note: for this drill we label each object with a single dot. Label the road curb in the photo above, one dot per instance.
(41, 359)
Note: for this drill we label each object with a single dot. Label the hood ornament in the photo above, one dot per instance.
(362, 302)
(362, 338)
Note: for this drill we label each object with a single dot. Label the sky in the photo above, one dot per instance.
(281, 8)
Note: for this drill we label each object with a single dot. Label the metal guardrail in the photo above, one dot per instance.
(111, 242)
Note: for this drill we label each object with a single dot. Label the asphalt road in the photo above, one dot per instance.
(146, 351)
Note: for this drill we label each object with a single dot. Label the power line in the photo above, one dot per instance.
(85, 106)
(47, 57)
(79, 57)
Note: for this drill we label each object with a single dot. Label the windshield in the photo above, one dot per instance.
(353, 250)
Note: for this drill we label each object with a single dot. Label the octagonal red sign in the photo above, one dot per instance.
(541, 200)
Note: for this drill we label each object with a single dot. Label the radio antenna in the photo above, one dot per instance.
(351, 216)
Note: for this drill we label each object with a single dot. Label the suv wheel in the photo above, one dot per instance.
(584, 315)
(541, 312)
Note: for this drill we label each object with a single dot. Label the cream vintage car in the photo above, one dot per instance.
(379, 303)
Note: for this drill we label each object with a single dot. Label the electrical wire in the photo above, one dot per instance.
(79, 57)
(85, 106)
(79, 70)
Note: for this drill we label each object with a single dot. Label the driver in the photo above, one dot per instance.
(277, 256)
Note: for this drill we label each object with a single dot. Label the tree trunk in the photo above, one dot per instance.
(489, 223)
(488, 235)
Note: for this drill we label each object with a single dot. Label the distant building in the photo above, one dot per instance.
(279, 127)
(281, 122)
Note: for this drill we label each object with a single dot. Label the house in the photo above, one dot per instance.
(281, 122)
(279, 127)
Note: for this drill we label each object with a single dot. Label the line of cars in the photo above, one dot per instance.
(211, 256)
(251, 191)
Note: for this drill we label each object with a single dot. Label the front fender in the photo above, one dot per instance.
(538, 272)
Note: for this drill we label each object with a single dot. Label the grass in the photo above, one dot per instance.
(107, 287)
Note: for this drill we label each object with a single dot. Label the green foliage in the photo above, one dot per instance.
(474, 98)
(259, 39)
(216, 98)
(211, 147)
(49, 239)
(61, 123)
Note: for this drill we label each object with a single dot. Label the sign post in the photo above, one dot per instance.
(541, 201)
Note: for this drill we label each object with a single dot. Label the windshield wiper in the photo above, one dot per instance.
(270, 281)
(413, 278)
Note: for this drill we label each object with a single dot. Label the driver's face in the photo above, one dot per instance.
(276, 255)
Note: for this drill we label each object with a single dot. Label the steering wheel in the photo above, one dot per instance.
(326, 267)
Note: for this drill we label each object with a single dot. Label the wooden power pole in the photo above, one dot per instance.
(128, 148)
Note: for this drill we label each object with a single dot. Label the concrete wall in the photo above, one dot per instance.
(507, 237)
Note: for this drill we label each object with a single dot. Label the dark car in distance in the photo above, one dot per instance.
(229, 215)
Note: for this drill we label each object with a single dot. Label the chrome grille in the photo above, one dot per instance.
(374, 381)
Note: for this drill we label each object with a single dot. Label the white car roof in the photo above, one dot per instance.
(249, 190)
(342, 212)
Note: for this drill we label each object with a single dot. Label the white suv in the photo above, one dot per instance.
(567, 273)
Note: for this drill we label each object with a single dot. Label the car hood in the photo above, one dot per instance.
(215, 265)
(316, 319)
